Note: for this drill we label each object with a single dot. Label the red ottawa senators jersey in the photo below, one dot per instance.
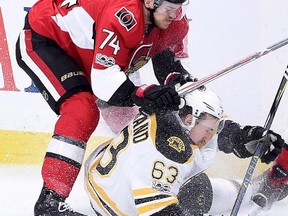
(101, 33)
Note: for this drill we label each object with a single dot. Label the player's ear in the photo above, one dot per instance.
(148, 3)
(188, 119)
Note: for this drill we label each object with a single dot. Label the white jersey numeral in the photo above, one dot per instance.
(111, 40)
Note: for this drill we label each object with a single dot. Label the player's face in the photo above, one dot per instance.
(166, 13)
(204, 129)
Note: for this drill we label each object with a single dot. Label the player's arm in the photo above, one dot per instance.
(168, 69)
(110, 83)
(242, 141)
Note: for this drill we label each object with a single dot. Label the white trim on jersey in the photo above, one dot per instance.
(149, 201)
(38, 72)
(145, 75)
(109, 79)
(77, 28)
(67, 150)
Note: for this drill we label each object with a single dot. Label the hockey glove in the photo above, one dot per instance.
(243, 141)
(271, 149)
(153, 98)
(178, 79)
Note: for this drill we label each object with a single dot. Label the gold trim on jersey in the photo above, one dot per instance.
(101, 197)
(194, 147)
(153, 128)
(144, 191)
(150, 200)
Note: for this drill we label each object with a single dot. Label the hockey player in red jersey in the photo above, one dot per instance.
(273, 183)
(77, 51)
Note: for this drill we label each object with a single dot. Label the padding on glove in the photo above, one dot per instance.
(243, 141)
(178, 79)
(271, 148)
(153, 98)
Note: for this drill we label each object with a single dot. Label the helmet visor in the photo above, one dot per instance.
(177, 11)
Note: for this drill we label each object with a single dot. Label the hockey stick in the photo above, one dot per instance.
(191, 86)
(259, 149)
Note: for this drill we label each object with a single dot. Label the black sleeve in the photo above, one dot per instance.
(171, 141)
(122, 97)
(229, 135)
(232, 139)
(164, 63)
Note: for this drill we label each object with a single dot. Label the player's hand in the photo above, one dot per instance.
(178, 79)
(152, 98)
(272, 147)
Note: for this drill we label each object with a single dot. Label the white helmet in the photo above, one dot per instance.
(201, 101)
(204, 100)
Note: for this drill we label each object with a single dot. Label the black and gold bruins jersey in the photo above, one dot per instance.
(140, 171)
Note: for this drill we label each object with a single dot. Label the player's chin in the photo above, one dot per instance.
(164, 25)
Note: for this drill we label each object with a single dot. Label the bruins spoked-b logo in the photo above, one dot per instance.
(126, 18)
(176, 143)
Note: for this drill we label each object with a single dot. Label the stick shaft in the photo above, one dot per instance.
(258, 151)
(191, 86)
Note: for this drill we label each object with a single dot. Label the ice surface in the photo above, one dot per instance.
(20, 187)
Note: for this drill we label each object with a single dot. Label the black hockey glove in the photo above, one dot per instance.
(153, 98)
(243, 141)
(164, 64)
(270, 150)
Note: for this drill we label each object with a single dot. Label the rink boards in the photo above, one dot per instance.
(18, 147)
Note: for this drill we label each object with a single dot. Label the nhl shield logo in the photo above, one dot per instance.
(126, 18)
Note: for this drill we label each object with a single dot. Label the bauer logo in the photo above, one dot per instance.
(71, 74)
(126, 18)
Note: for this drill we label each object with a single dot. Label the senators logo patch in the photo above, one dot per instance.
(176, 143)
(139, 58)
(126, 18)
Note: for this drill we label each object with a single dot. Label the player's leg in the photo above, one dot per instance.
(273, 183)
(214, 196)
(195, 196)
(68, 92)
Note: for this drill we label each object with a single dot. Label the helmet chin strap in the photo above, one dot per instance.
(152, 18)
(186, 128)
